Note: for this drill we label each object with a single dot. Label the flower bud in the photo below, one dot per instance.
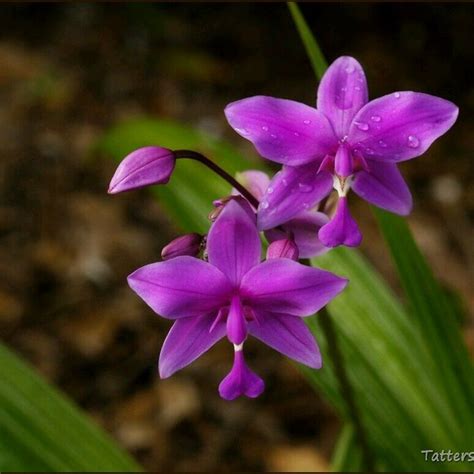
(284, 248)
(142, 167)
(188, 244)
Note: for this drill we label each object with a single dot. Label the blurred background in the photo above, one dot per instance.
(68, 72)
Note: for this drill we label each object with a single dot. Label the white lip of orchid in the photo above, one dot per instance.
(238, 347)
(342, 185)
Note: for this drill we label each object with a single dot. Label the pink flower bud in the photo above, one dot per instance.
(142, 167)
(189, 244)
(284, 248)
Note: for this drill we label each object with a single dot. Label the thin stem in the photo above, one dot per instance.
(346, 388)
(194, 155)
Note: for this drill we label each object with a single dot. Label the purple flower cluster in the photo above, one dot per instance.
(217, 285)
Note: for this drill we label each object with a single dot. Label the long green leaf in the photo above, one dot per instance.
(402, 400)
(40, 430)
(347, 456)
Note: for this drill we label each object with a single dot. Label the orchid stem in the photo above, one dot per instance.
(194, 155)
(346, 388)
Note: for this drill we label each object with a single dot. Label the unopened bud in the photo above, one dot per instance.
(143, 167)
(284, 248)
(188, 244)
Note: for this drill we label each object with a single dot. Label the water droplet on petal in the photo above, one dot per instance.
(306, 122)
(270, 190)
(413, 141)
(397, 95)
(343, 89)
(285, 182)
(357, 88)
(376, 118)
(382, 144)
(305, 188)
(296, 134)
(265, 128)
(264, 204)
(362, 126)
(273, 135)
(305, 205)
(369, 151)
(350, 69)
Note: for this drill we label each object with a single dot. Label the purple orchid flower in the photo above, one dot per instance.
(303, 228)
(346, 143)
(234, 294)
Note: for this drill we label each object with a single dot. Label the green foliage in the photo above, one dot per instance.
(40, 430)
(404, 402)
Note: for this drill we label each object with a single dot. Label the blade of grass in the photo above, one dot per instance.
(40, 430)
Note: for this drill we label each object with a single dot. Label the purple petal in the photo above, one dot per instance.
(342, 229)
(241, 380)
(282, 130)
(181, 287)
(342, 92)
(142, 167)
(400, 126)
(233, 243)
(187, 340)
(289, 335)
(283, 248)
(385, 187)
(255, 181)
(285, 286)
(292, 191)
(236, 325)
(304, 228)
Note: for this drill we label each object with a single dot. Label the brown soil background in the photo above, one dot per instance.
(70, 71)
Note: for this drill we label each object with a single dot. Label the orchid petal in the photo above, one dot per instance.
(233, 243)
(181, 287)
(236, 324)
(342, 229)
(289, 335)
(187, 340)
(285, 286)
(400, 126)
(240, 380)
(255, 181)
(304, 228)
(282, 130)
(385, 187)
(291, 191)
(342, 92)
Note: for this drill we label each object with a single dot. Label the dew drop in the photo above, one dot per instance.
(265, 128)
(285, 182)
(397, 95)
(343, 89)
(264, 204)
(382, 144)
(369, 151)
(350, 69)
(305, 205)
(306, 122)
(296, 134)
(270, 190)
(376, 118)
(305, 188)
(413, 141)
(362, 126)
(357, 88)
(273, 135)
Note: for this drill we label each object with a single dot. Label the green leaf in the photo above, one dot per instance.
(436, 317)
(40, 430)
(403, 401)
(318, 62)
(347, 456)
